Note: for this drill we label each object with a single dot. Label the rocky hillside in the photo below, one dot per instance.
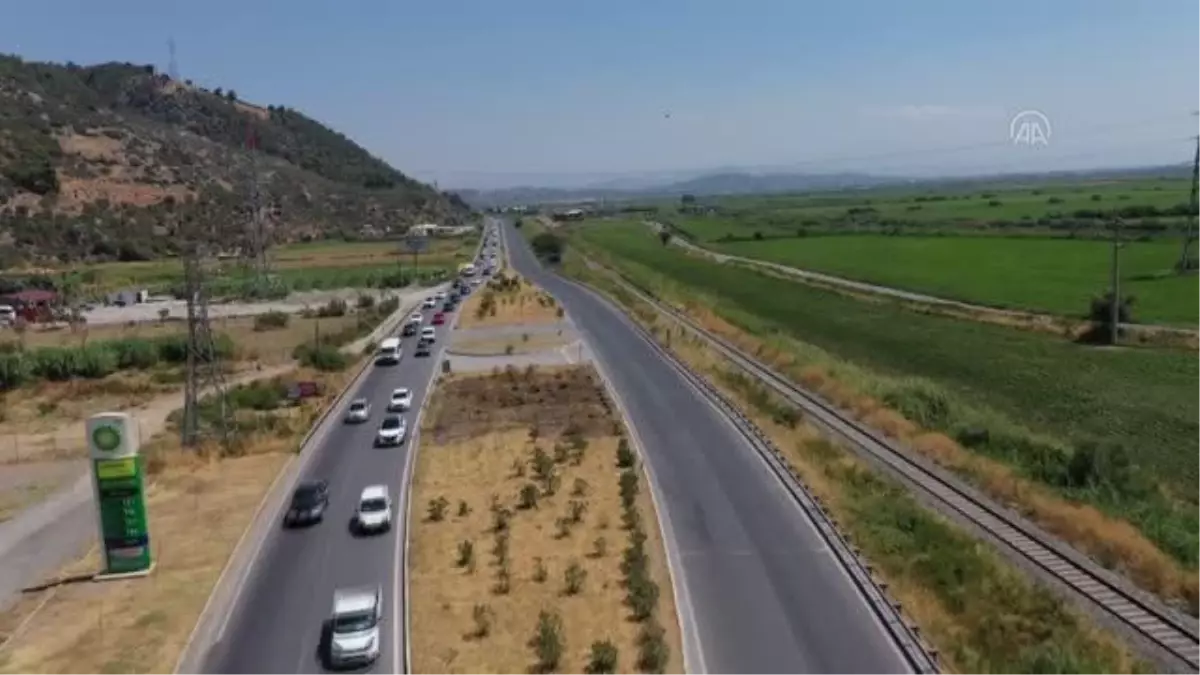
(117, 161)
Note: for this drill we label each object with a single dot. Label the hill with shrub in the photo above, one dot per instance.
(115, 161)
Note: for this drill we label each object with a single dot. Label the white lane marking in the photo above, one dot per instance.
(693, 652)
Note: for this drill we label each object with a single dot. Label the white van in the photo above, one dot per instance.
(389, 352)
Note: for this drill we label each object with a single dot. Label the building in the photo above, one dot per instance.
(30, 297)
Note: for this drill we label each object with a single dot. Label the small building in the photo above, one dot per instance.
(30, 297)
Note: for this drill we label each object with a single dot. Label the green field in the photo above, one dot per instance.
(1057, 276)
(1023, 386)
(1152, 204)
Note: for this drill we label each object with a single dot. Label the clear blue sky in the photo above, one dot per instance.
(490, 92)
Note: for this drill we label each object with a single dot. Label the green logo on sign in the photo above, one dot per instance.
(106, 438)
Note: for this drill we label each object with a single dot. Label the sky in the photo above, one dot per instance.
(494, 93)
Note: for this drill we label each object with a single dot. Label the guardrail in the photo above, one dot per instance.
(1135, 610)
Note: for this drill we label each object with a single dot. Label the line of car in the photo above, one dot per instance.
(354, 636)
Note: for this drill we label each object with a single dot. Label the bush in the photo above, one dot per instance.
(321, 356)
(573, 579)
(653, 651)
(599, 547)
(271, 321)
(575, 510)
(365, 301)
(333, 308)
(528, 497)
(603, 658)
(629, 488)
(539, 570)
(483, 617)
(135, 353)
(625, 456)
(466, 553)
(437, 509)
(547, 642)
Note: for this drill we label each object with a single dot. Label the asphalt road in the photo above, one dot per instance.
(276, 623)
(765, 594)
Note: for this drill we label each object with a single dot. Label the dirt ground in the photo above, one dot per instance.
(476, 455)
(199, 505)
(508, 298)
(524, 344)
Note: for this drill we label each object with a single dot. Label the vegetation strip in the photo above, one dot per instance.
(1140, 614)
(951, 584)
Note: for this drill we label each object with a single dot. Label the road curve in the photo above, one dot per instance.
(276, 622)
(766, 595)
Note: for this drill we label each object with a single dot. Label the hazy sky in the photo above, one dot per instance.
(493, 92)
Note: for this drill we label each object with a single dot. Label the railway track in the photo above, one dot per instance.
(1173, 634)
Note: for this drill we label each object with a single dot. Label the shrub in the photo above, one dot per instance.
(653, 651)
(437, 509)
(271, 321)
(603, 658)
(599, 547)
(528, 497)
(539, 570)
(503, 580)
(580, 488)
(483, 617)
(547, 642)
(573, 579)
(135, 353)
(321, 356)
(629, 488)
(466, 553)
(365, 301)
(624, 454)
(463, 508)
(575, 510)
(333, 308)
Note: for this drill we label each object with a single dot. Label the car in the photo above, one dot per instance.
(438, 319)
(389, 353)
(393, 431)
(449, 306)
(354, 627)
(429, 303)
(401, 400)
(374, 512)
(410, 329)
(439, 296)
(416, 317)
(359, 411)
(310, 499)
(424, 348)
(429, 334)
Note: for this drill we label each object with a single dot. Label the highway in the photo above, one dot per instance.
(275, 625)
(763, 591)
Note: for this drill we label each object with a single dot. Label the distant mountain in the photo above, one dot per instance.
(713, 184)
(117, 161)
(725, 183)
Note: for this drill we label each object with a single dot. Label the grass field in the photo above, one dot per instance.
(982, 614)
(944, 206)
(1057, 276)
(517, 487)
(1032, 393)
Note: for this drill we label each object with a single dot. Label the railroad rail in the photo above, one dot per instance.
(1170, 631)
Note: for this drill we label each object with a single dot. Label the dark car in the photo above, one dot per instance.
(449, 306)
(424, 347)
(309, 502)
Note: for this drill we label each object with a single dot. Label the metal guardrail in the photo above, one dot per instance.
(1168, 630)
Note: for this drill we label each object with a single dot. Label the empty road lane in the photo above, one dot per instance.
(767, 595)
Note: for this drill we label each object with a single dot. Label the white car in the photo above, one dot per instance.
(374, 513)
(401, 400)
(359, 411)
(354, 628)
(393, 431)
(429, 303)
(440, 296)
(416, 318)
(429, 334)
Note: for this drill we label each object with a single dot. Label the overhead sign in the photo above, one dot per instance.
(119, 487)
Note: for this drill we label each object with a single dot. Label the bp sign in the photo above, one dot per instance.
(119, 488)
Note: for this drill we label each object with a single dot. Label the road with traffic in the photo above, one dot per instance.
(759, 590)
(277, 622)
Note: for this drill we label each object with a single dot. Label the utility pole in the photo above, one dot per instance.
(1192, 227)
(1114, 311)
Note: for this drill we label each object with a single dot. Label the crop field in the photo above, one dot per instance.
(301, 266)
(1056, 276)
(1020, 205)
(1144, 400)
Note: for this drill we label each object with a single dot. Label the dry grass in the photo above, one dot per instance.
(141, 625)
(15, 499)
(508, 299)
(466, 460)
(832, 475)
(523, 344)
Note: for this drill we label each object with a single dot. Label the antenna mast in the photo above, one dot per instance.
(1192, 227)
